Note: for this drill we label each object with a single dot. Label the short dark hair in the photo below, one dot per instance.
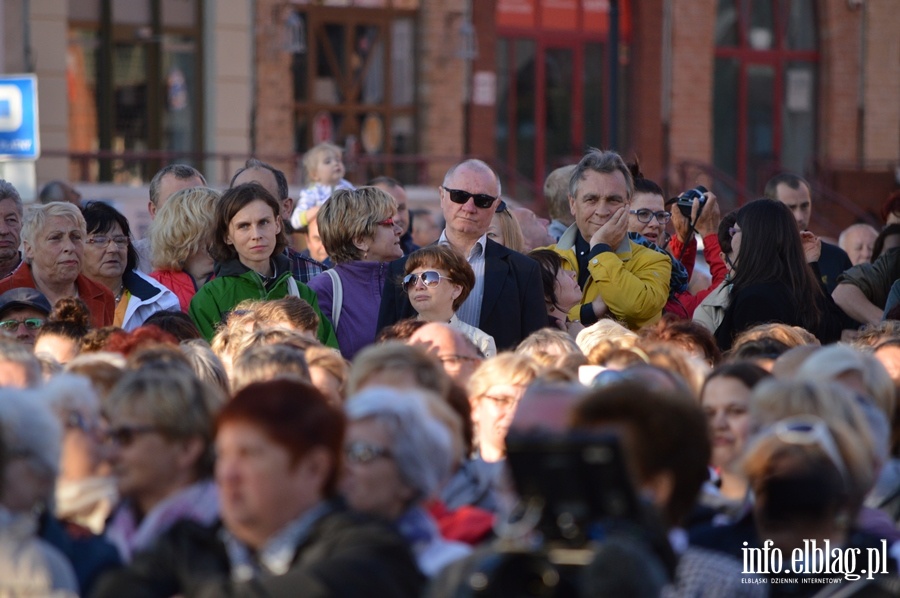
(445, 258)
(668, 434)
(254, 164)
(387, 181)
(641, 183)
(888, 231)
(550, 263)
(606, 162)
(100, 217)
(784, 178)
(747, 372)
(293, 414)
(232, 202)
(181, 172)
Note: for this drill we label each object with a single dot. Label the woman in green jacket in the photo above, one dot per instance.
(250, 263)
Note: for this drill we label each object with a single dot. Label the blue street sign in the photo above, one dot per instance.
(19, 138)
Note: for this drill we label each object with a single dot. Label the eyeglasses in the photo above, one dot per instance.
(644, 215)
(502, 402)
(430, 278)
(360, 453)
(810, 430)
(126, 435)
(386, 222)
(733, 230)
(102, 241)
(482, 200)
(456, 360)
(30, 324)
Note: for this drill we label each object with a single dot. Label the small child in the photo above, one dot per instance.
(324, 167)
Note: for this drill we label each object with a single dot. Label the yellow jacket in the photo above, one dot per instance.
(633, 281)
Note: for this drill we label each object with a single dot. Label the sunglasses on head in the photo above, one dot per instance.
(481, 200)
(430, 278)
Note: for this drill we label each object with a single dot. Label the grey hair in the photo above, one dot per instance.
(12, 351)
(476, 165)
(53, 191)
(181, 172)
(29, 427)
(421, 447)
(607, 162)
(8, 191)
(206, 364)
(36, 217)
(260, 363)
(65, 393)
(280, 179)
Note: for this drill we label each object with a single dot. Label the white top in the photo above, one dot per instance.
(483, 340)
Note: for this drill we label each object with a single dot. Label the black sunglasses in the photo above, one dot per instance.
(125, 435)
(482, 200)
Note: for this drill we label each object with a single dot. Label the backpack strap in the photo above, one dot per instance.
(337, 296)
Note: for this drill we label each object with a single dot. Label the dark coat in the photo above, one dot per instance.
(773, 301)
(512, 306)
(345, 554)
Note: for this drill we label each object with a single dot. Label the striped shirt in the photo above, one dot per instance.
(470, 311)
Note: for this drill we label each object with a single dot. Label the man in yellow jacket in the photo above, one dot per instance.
(617, 276)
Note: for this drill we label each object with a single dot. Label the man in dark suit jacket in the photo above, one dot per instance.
(507, 301)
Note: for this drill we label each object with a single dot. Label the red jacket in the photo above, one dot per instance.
(180, 283)
(98, 298)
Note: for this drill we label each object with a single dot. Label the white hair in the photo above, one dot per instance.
(29, 427)
(421, 446)
(601, 330)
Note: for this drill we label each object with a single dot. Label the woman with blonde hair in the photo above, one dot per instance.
(361, 236)
(495, 390)
(505, 229)
(180, 236)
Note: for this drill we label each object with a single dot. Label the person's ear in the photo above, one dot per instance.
(457, 290)
(28, 251)
(191, 450)
(572, 205)
(278, 225)
(151, 207)
(287, 206)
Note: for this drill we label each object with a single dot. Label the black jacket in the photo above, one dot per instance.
(346, 554)
(512, 306)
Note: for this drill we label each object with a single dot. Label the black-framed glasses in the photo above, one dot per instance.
(126, 435)
(644, 215)
(430, 278)
(360, 453)
(481, 200)
(102, 241)
(456, 359)
(30, 324)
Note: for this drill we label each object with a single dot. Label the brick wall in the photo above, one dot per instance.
(273, 120)
(645, 89)
(482, 119)
(839, 73)
(693, 48)
(881, 124)
(442, 76)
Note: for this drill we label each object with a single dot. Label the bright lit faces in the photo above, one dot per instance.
(10, 229)
(568, 293)
(106, 260)
(492, 414)
(467, 219)
(431, 293)
(372, 482)
(651, 208)
(330, 169)
(798, 200)
(598, 197)
(725, 401)
(253, 232)
(57, 253)
(384, 244)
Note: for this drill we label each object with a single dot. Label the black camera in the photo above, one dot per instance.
(584, 531)
(686, 200)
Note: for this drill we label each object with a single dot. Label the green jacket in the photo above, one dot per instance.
(234, 282)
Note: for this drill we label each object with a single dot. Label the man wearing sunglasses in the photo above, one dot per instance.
(22, 313)
(617, 276)
(507, 301)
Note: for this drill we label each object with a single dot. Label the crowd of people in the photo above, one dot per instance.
(211, 410)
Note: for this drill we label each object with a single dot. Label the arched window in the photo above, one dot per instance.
(766, 81)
